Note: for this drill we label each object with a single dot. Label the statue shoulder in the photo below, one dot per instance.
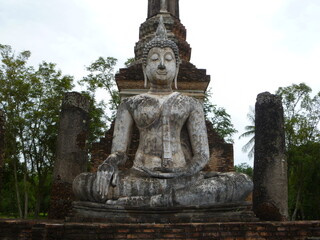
(133, 102)
(191, 101)
(135, 98)
(126, 103)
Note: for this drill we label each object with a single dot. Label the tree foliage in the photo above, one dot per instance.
(302, 114)
(302, 118)
(101, 77)
(219, 118)
(31, 101)
(129, 62)
(249, 132)
(244, 168)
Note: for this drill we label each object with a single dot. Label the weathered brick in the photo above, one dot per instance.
(123, 230)
(46, 230)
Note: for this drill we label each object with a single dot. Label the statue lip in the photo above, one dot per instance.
(161, 72)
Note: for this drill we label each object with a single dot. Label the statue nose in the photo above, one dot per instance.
(161, 66)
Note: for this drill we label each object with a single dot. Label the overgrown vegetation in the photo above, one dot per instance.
(30, 99)
(302, 118)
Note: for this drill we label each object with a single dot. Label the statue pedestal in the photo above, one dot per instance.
(95, 212)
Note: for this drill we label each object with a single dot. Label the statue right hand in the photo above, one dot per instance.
(107, 175)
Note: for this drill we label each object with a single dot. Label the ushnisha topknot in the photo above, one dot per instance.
(161, 40)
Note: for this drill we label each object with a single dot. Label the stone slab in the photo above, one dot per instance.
(96, 212)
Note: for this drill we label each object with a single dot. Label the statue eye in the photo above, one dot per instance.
(154, 57)
(169, 57)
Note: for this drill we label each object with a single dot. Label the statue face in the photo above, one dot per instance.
(161, 66)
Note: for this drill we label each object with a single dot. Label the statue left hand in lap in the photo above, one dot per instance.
(173, 146)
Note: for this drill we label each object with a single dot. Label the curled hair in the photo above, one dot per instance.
(161, 40)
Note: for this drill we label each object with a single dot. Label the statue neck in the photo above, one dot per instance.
(161, 90)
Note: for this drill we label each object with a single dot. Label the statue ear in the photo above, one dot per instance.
(176, 77)
(145, 76)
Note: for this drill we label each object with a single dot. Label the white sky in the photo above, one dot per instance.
(247, 46)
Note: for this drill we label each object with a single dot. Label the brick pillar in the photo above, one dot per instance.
(2, 122)
(270, 193)
(71, 154)
(154, 7)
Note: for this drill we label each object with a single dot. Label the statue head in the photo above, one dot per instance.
(161, 58)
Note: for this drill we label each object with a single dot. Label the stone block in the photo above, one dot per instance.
(71, 153)
(270, 194)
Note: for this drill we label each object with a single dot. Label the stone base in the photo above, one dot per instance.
(95, 212)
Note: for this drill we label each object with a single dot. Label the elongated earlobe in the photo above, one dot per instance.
(176, 78)
(145, 76)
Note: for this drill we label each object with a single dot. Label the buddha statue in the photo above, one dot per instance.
(173, 146)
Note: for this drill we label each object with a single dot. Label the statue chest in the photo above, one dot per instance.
(153, 113)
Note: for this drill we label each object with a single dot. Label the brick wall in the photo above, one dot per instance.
(221, 153)
(37, 230)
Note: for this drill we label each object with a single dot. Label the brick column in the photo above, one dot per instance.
(154, 7)
(270, 193)
(71, 154)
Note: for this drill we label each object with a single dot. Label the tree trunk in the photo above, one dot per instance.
(2, 135)
(25, 188)
(39, 196)
(38, 203)
(17, 187)
(297, 205)
(26, 197)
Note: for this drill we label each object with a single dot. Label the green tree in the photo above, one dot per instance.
(14, 78)
(250, 132)
(302, 117)
(97, 123)
(129, 62)
(31, 101)
(244, 168)
(101, 77)
(304, 179)
(47, 91)
(219, 118)
(302, 114)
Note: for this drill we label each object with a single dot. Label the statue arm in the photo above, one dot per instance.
(108, 171)
(198, 138)
(122, 130)
(121, 136)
